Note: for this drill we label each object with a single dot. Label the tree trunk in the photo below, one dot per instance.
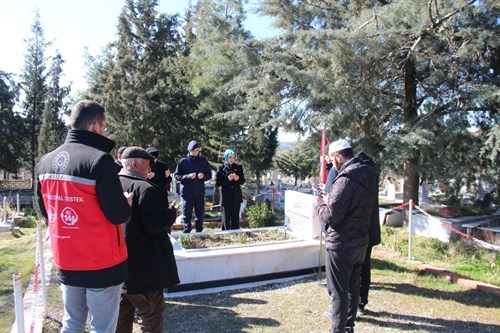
(411, 175)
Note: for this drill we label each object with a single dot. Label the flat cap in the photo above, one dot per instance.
(137, 152)
(153, 151)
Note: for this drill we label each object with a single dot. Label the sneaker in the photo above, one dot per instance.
(328, 313)
(361, 311)
(349, 330)
(322, 282)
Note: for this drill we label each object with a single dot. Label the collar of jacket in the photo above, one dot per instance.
(131, 173)
(90, 139)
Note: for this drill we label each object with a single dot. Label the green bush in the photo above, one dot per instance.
(28, 222)
(259, 216)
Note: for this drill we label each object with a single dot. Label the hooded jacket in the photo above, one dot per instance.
(352, 205)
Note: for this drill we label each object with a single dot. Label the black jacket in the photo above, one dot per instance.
(231, 189)
(352, 204)
(159, 179)
(151, 261)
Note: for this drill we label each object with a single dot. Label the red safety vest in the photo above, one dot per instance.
(81, 235)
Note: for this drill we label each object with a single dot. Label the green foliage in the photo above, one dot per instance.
(29, 222)
(34, 86)
(11, 125)
(458, 256)
(259, 216)
(53, 130)
(144, 71)
(300, 161)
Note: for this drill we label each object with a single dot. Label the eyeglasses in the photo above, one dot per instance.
(106, 129)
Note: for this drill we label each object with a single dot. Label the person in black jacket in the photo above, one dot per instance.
(118, 163)
(230, 177)
(80, 196)
(160, 173)
(193, 171)
(151, 262)
(347, 212)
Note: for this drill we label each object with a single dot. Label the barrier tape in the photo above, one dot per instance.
(469, 237)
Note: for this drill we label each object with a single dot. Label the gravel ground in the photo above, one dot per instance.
(402, 299)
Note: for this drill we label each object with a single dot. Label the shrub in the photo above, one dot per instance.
(28, 222)
(259, 216)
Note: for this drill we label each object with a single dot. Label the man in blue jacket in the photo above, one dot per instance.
(193, 171)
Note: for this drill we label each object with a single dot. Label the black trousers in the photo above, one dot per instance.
(366, 278)
(343, 269)
(230, 216)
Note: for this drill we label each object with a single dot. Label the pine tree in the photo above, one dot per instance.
(53, 129)
(143, 83)
(11, 126)
(402, 79)
(34, 87)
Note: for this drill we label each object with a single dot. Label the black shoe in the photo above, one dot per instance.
(361, 311)
(349, 330)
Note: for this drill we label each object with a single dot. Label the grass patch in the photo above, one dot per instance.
(458, 256)
(17, 255)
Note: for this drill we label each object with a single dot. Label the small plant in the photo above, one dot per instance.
(28, 222)
(259, 216)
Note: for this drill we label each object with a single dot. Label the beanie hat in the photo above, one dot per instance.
(228, 153)
(193, 145)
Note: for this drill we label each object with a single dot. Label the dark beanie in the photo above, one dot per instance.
(193, 145)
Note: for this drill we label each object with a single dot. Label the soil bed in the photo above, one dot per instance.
(233, 238)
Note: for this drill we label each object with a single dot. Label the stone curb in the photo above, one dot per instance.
(460, 279)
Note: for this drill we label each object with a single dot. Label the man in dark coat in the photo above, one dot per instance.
(193, 171)
(347, 213)
(230, 177)
(151, 262)
(160, 172)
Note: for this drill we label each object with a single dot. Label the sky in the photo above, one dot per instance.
(75, 25)
(72, 26)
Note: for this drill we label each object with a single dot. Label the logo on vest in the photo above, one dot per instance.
(69, 216)
(60, 162)
(51, 214)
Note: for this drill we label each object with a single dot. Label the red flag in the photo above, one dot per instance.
(322, 152)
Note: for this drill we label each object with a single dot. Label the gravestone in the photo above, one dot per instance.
(300, 215)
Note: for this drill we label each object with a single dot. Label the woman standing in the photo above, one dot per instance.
(230, 177)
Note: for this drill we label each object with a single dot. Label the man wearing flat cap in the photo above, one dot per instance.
(193, 171)
(151, 262)
(348, 211)
(160, 173)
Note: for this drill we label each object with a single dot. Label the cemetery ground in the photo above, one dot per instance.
(402, 298)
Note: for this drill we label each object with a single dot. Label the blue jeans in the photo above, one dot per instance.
(102, 305)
